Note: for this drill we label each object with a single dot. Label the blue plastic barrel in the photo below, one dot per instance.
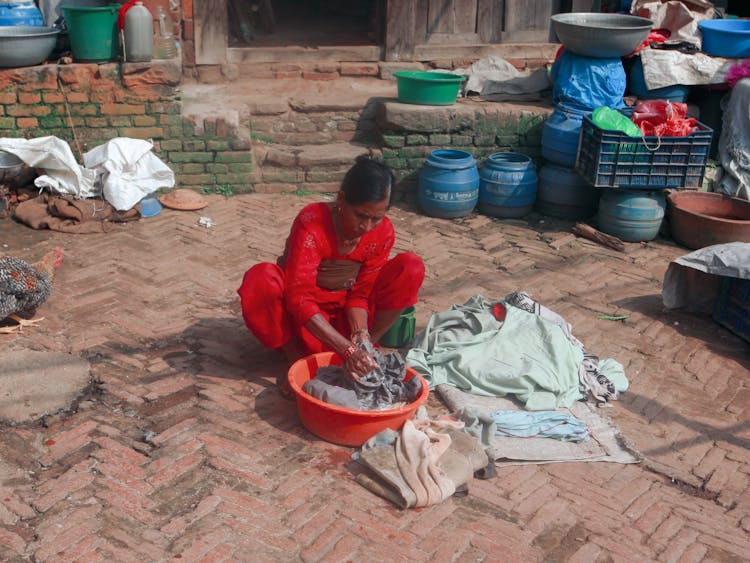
(508, 183)
(560, 135)
(20, 13)
(448, 184)
(631, 215)
(637, 86)
(563, 193)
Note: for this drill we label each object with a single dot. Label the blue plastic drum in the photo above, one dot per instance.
(448, 184)
(508, 185)
(21, 13)
(631, 215)
(560, 135)
(563, 193)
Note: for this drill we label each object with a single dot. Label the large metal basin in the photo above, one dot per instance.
(603, 36)
(700, 219)
(26, 45)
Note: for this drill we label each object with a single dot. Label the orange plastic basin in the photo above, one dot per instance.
(339, 425)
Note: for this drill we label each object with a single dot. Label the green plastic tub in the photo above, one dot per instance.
(402, 330)
(427, 88)
(93, 32)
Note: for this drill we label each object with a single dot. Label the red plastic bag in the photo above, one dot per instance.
(660, 118)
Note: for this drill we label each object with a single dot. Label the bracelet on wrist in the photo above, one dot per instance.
(349, 351)
(361, 332)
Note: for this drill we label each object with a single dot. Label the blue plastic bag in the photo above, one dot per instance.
(586, 83)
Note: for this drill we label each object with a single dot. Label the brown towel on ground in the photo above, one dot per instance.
(69, 215)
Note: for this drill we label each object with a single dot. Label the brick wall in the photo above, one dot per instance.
(410, 132)
(89, 104)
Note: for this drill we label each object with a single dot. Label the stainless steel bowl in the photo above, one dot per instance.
(26, 45)
(600, 36)
(14, 172)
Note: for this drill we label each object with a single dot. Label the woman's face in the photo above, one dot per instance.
(356, 220)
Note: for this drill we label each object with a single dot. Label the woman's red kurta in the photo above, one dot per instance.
(277, 302)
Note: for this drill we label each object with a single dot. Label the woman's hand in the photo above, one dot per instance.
(359, 363)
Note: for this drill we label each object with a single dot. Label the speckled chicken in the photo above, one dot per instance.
(24, 286)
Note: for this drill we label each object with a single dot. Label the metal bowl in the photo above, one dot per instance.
(14, 172)
(26, 45)
(602, 36)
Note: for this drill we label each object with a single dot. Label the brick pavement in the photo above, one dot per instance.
(183, 449)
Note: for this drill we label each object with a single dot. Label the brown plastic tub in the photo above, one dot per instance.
(700, 219)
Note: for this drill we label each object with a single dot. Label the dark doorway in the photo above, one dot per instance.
(304, 23)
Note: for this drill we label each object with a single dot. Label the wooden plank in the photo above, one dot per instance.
(465, 16)
(421, 10)
(507, 51)
(524, 16)
(364, 53)
(400, 30)
(454, 39)
(489, 20)
(211, 35)
(440, 17)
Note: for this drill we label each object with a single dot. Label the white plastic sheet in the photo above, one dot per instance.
(61, 172)
(667, 68)
(130, 171)
(692, 281)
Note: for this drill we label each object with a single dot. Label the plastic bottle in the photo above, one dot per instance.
(612, 120)
(138, 30)
(164, 41)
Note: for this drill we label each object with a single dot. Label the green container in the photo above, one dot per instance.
(401, 332)
(427, 88)
(93, 32)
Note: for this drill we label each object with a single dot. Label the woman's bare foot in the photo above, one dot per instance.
(285, 390)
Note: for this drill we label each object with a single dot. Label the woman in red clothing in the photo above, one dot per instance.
(335, 285)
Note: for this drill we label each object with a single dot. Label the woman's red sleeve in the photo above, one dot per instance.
(305, 246)
(376, 250)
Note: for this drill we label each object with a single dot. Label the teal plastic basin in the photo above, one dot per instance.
(427, 88)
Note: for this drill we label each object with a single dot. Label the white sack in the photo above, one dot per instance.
(680, 17)
(663, 68)
(130, 171)
(692, 281)
(62, 173)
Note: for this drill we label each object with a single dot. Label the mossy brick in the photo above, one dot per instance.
(241, 167)
(529, 122)
(84, 109)
(41, 110)
(193, 145)
(193, 168)
(486, 125)
(197, 179)
(166, 108)
(390, 153)
(53, 97)
(282, 176)
(7, 122)
(29, 97)
(461, 140)
(440, 140)
(217, 168)
(144, 121)
(173, 132)
(411, 152)
(171, 145)
(142, 132)
(413, 140)
(243, 188)
(240, 143)
(506, 140)
(324, 175)
(77, 97)
(123, 109)
(171, 120)
(234, 156)
(414, 163)
(232, 178)
(484, 140)
(18, 110)
(191, 157)
(209, 127)
(217, 145)
(396, 163)
(120, 121)
(97, 122)
(8, 97)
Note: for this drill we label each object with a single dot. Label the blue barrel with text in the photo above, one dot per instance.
(448, 184)
(631, 215)
(560, 135)
(563, 193)
(20, 13)
(508, 185)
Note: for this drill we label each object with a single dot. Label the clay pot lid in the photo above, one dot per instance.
(183, 199)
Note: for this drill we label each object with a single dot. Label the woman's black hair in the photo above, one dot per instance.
(368, 181)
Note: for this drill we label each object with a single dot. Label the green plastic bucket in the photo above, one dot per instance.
(92, 32)
(401, 332)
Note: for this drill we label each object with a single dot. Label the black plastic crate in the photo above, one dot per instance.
(732, 308)
(611, 159)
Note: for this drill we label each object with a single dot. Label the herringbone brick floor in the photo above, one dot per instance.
(183, 450)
